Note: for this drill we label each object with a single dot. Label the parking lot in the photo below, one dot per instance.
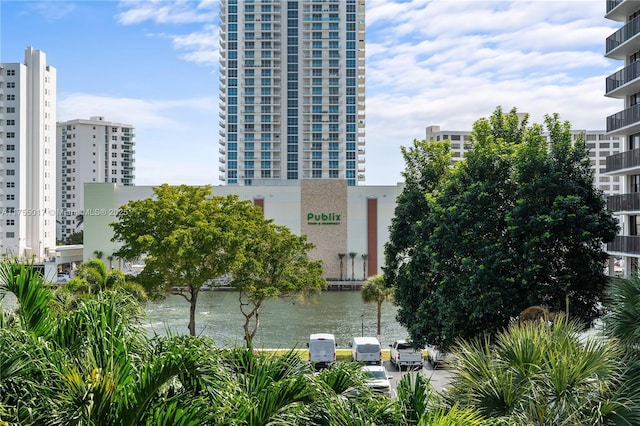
(439, 378)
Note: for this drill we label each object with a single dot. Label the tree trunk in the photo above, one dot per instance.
(192, 309)
(250, 334)
(353, 271)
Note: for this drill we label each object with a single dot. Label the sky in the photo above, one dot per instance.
(154, 65)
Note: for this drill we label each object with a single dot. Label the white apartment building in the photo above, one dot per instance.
(624, 45)
(27, 157)
(92, 150)
(600, 144)
(292, 91)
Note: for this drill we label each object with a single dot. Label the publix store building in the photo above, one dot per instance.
(337, 218)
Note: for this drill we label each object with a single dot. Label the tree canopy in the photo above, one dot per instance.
(277, 267)
(517, 223)
(186, 236)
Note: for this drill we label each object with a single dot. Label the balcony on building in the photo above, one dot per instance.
(624, 81)
(624, 42)
(624, 203)
(627, 161)
(625, 122)
(618, 10)
(624, 244)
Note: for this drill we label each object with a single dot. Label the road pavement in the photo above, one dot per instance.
(439, 377)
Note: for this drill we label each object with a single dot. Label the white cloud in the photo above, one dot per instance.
(166, 12)
(157, 113)
(53, 11)
(447, 63)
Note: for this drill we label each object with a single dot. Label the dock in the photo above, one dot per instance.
(332, 285)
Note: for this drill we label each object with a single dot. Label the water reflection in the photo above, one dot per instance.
(282, 324)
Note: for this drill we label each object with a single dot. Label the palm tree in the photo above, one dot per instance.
(93, 364)
(341, 256)
(267, 388)
(543, 374)
(374, 291)
(420, 405)
(364, 266)
(92, 277)
(352, 255)
(622, 322)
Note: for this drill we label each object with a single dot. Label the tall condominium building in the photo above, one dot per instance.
(600, 144)
(624, 45)
(27, 157)
(292, 90)
(92, 150)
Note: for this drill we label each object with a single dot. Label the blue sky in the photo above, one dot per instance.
(154, 64)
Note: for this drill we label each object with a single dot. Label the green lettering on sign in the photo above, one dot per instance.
(323, 218)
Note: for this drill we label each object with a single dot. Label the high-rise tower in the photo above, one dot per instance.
(624, 45)
(28, 157)
(292, 90)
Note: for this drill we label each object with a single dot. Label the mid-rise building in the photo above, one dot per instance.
(624, 45)
(292, 91)
(92, 150)
(27, 157)
(600, 144)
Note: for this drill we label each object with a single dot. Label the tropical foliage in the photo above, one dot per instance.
(95, 365)
(541, 373)
(92, 277)
(516, 223)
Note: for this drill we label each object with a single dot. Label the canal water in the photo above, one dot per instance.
(283, 324)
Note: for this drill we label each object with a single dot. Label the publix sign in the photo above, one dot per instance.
(323, 218)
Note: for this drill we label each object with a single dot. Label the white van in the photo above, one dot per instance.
(366, 350)
(322, 349)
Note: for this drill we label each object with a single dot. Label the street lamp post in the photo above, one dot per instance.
(362, 325)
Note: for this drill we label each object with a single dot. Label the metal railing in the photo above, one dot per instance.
(623, 160)
(623, 118)
(623, 76)
(625, 244)
(624, 202)
(625, 33)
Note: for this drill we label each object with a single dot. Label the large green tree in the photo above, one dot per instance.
(276, 266)
(427, 166)
(518, 223)
(186, 236)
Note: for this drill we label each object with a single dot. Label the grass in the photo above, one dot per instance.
(341, 353)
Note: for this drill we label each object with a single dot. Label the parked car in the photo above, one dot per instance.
(322, 349)
(377, 379)
(436, 357)
(62, 278)
(404, 354)
(367, 350)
